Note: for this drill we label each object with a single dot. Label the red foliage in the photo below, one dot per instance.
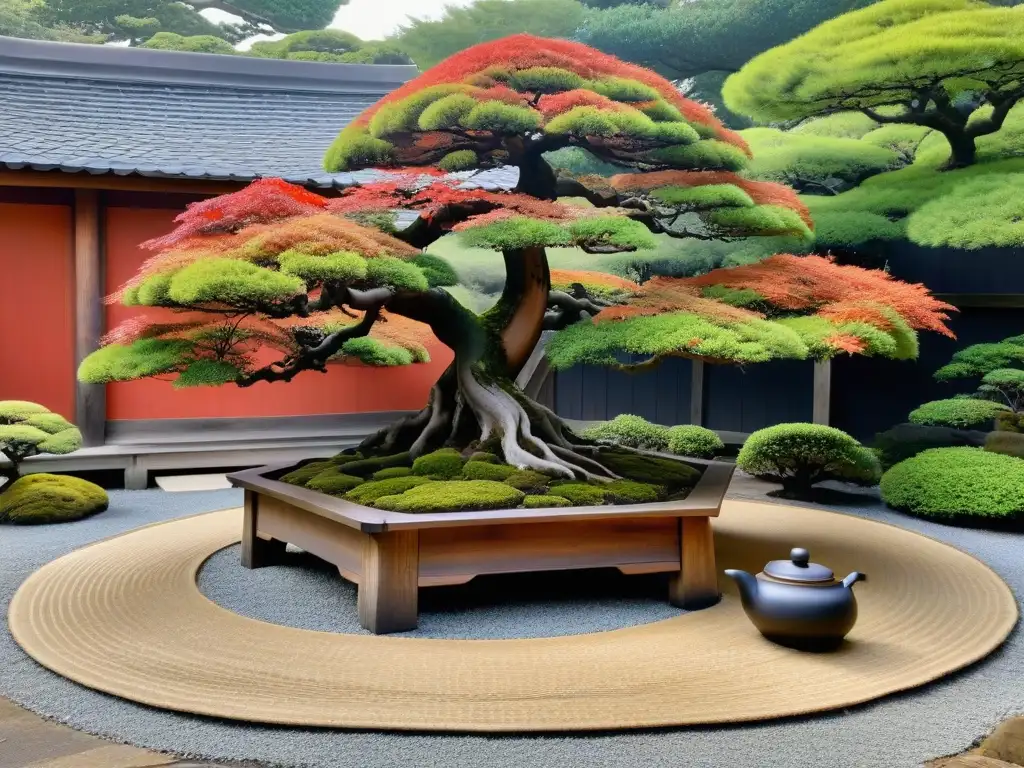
(671, 294)
(565, 277)
(761, 192)
(261, 202)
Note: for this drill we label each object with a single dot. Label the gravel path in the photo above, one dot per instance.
(895, 733)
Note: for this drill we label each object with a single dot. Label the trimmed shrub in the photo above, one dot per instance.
(367, 493)
(483, 470)
(797, 456)
(651, 469)
(962, 412)
(307, 472)
(580, 494)
(543, 502)
(443, 464)
(631, 431)
(906, 440)
(1006, 443)
(334, 481)
(42, 498)
(630, 492)
(1010, 422)
(528, 480)
(453, 496)
(957, 485)
(390, 472)
(691, 440)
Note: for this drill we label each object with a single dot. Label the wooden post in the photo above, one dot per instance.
(696, 585)
(821, 404)
(697, 393)
(90, 399)
(257, 552)
(389, 587)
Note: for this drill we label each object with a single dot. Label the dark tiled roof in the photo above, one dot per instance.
(103, 109)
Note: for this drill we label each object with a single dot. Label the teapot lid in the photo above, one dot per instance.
(798, 568)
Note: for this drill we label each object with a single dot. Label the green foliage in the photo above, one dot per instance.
(403, 116)
(368, 493)
(527, 480)
(978, 210)
(906, 440)
(395, 273)
(628, 492)
(499, 117)
(41, 499)
(307, 472)
(650, 469)
(461, 160)
(736, 297)
(171, 41)
(453, 496)
(957, 485)
(354, 148)
(763, 219)
(579, 162)
(707, 154)
(616, 231)
(904, 140)
(333, 481)
(703, 198)
(28, 429)
(1006, 443)
(439, 273)
(632, 431)
(233, 282)
(363, 467)
(960, 412)
(980, 359)
(483, 470)
(390, 472)
(547, 80)
(545, 502)
(695, 441)
(514, 233)
(484, 456)
(373, 352)
(447, 112)
(428, 42)
(798, 456)
(840, 125)
(580, 494)
(442, 464)
(342, 266)
(145, 357)
(329, 45)
(1010, 422)
(206, 373)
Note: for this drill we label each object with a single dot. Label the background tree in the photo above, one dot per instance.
(999, 366)
(330, 45)
(27, 19)
(929, 63)
(319, 279)
(28, 429)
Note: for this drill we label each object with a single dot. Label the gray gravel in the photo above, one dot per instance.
(902, 731)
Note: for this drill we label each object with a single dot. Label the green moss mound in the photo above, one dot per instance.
(441, 465)
(651, 469)
(631, 492)
(527, 480)
(483, 470)
(691, 440)
(580, 494)
(960, 412)
(958, 485)
(798, 456)
(366, 467)
(631, 431)
(906, 440)
(42, 498)
(452, 496)
(1006, 443)
(390, 472)
(545, 502)
(490, 458)
(307, 472)
(368, 493)
(1010, 422)
(334, 482)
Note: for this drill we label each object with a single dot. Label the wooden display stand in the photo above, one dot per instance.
(391, 554)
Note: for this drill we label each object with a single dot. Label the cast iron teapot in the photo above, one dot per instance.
(798, 603)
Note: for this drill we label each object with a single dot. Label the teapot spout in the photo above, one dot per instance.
(747, 584)
(853, 578)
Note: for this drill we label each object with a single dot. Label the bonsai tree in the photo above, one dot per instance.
(320, 280)
(999, 366)
(28, 429)
(930, 63)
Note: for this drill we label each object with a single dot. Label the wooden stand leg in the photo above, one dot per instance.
(696, 584)
(257, 552)
(389, 588)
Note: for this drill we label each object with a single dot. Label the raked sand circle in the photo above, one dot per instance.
(125, 616)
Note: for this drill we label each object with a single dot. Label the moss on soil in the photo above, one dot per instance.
(444, 464)
(43, 498)
(453, 496)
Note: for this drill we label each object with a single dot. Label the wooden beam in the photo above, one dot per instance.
(90, 399)
(821, 404)
(109, 181)
(697, 393)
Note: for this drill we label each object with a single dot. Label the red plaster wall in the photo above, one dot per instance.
(344, 389)
(37, 346)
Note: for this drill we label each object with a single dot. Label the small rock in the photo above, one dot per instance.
(969, 761)
(1005, 743)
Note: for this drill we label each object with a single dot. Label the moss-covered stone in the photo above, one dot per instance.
(368, 493)
(482, 470)
(442, 464)
(43, 498)
(527, 480)
(650, 469)
(545, 501)
(307, 472)
(580, 494)
(390, 472)
(632, 492)
(334, 481)
(490, 458)
(366, 467)
(453, 496)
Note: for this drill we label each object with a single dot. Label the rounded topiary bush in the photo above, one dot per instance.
(906, 440)
(960, 412)
(1006, 443)
(691, 440)
(797, 456)
(453, 496)
(42, 498)
(631, 431)
(958, 485)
